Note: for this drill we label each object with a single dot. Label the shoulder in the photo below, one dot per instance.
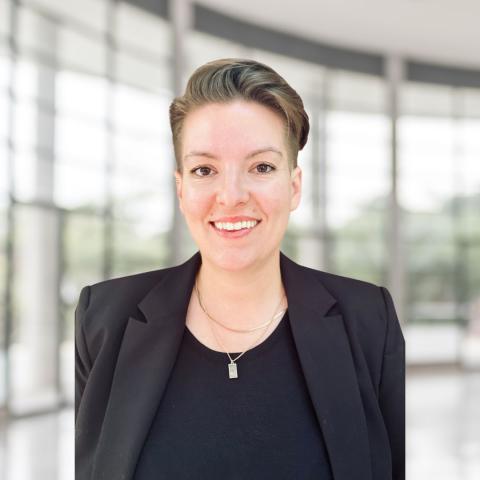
(369, 316)
(351, 293)
(128, 286)
(112, 300)
(366, 308)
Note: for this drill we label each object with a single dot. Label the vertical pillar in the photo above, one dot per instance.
(110, 73)
(461, 285)
(35, 359)
(5, 382)
(395, 244)
(321, 181)
(312, 245)
(181, 14)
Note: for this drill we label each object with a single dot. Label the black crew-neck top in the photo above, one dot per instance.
(261, 425)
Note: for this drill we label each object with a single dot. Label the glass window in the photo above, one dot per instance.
(83, 249)
(472, 273)
(92, 14)
(33, 175)
(81, 95)
(77, 51)
(149, 161)
(142, 180)
(470, 102)
(36, 34)
(439, 181)
(142, 113)
(426, 146)
(426, 99)
(83, 141)
(25, 124)
(34, 347)
(140, 202)
(4, 73)
(304, 77)
(360, 253)
(358, 183)
(431, 258)
(355, 92)
(83, 245)
(138, 247)
(79, 186)
(148, 33)
(5, 6)
(3, 268)
(426, 188)
(3, 170)
(26, 80)
(132, 70)
(4, 51)
(202, 48)
(4, 114)
(302, 217)
(69, 120)
(467, 151)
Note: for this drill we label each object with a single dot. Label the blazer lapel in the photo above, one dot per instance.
(327, 363)
(146, 358)
(148, 353)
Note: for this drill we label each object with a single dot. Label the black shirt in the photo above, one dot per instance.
(261, 425)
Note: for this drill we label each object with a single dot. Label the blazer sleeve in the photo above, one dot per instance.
(392, 387)
(83, 363)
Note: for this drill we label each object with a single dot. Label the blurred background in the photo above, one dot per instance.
(391, 185)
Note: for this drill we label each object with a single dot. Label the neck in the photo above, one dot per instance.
(242, 298)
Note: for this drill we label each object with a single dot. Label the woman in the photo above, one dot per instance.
(238, 363)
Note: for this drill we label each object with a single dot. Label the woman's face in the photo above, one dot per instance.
(235, 164)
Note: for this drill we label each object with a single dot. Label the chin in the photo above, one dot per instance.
(234, 260)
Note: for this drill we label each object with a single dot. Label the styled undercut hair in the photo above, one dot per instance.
(229, 79)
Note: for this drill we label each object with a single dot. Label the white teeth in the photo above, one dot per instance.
(235, 226)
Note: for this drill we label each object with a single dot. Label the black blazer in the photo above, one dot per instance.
(348, 338)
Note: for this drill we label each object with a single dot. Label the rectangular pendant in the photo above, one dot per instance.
(232, 370)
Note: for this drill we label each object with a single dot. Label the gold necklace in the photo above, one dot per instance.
(232, 366)
(238, 330)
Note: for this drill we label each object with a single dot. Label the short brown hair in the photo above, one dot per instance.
(228, 79)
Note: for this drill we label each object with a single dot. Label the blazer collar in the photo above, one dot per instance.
(149, 349)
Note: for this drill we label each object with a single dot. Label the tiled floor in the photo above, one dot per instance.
(38, 448)
(443, 434)
(443, 426)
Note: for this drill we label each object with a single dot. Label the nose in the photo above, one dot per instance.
(233, 189)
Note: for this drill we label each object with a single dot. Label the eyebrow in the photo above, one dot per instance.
(250, 155)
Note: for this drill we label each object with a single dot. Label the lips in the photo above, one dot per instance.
(244, 220)
(243, 232)
(236, 219)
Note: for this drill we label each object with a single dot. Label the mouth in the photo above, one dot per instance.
(236, 233)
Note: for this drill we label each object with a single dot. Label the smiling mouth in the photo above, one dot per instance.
(232, 232)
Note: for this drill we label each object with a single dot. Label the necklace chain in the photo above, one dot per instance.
(249, 330)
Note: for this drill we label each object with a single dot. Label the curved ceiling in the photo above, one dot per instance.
(439, 31)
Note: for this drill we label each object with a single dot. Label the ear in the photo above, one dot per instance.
(296, 184)
(179, 185)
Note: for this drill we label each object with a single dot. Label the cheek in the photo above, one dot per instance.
(196, 202)
(275, 200)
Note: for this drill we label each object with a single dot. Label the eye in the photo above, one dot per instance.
(264, 168)
(204, 170)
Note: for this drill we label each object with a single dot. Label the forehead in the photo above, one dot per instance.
(238, 125)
